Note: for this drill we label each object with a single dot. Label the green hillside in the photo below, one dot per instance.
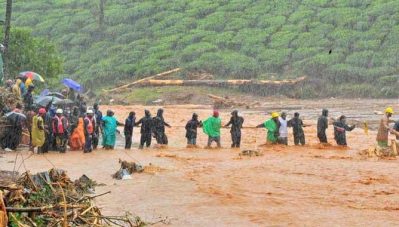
(229, 38)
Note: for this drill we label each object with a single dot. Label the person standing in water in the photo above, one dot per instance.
(322, 125)
(211, 127)
(383, 129)
(340, 128)
(146, 129)
(236, 123)
(89, 126)
(98, 117)
(38, 134)
(110, 125)
(128, 130)
(191, 130)
(77, 138)
(159, 128)
(297, 128)
(60, 130)
(283, 129)
(272, 126)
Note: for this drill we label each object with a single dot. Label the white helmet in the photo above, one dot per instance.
(59, 111)
(89, 111)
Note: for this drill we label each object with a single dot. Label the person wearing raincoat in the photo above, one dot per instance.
(340, 128)
(235, 131)
(38, 133)
(110, 125)
(322, 125)
(98, 117)
(128, 129)
(159, 128)
(50, 143)
(77, 139)
(211, 127)
(28, 82)
(17, 128)
(16, 89)
(28, 97)
(191, 130)
(13, 130)
(272, 125)
(146, 129)
(297, 129)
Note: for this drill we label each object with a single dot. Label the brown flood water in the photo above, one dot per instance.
(307, 186)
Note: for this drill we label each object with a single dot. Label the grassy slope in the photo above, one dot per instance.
(237, 38)
(172, 95)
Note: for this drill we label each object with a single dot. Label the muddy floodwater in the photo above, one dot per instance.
(305, 186)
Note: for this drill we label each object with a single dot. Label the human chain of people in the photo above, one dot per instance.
(57, 127)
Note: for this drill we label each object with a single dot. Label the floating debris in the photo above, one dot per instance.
(127, 169)
(251, 153)
(376, 151)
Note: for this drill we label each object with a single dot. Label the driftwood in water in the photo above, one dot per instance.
(220, 102)
(217, 83)
(224, 102)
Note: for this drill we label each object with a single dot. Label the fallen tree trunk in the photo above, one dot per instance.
(217, 83)
(143, 80)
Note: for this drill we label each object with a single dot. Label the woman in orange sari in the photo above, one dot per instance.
(77, 140)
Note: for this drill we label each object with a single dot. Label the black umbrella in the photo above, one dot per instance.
(60, 102)
(45, 100)
(15, 116)
(56, 94)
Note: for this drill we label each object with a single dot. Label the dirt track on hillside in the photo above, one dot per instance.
(310, 185)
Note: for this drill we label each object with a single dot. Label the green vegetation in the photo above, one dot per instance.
(231, 39)
(170, 94)
(145, 95)
(28, 53)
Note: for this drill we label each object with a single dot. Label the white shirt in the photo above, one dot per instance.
(283, 130)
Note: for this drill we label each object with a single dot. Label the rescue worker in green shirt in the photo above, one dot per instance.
(211, 127)
(272, 125)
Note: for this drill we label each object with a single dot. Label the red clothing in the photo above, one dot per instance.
(89, 125)
(59, 124)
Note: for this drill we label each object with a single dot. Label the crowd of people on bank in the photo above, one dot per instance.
(52, 128)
